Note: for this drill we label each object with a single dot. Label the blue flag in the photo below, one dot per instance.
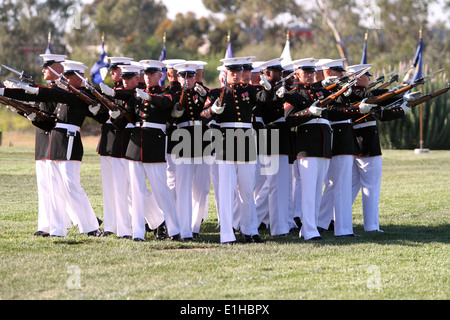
(96, 71)
(418, 61)
(364, 54)
(162, 57)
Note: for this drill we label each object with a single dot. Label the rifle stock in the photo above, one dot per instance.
(427, 97)
(26, 109)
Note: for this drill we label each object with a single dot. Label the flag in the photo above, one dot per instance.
(286, 54)
(100, 68)
(364, 54)
(418, 60)
(162, 57)
(228, 54)
(417, 64)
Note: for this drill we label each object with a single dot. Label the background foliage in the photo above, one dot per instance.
(320, 28)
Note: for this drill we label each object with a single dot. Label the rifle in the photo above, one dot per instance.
(23, 77)
(282, 81)
(222, 93)
(27, 109)
(183, 98)
(324, 102)
(427, 97)
(393, 93)
(394, 78)
(379, 80)
(64, 84)
(345, 79)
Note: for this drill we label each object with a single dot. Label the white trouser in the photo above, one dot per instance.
(109, 172)
(261, 195)
(122, 197)
(242, 176)
(367, 177)
(278, 195)
(215, 182)
(171, 175)
(201, 186)
(312, 176)
(67, 191)
(296, 193)
(156, 175)
(337, 197)
(44, 199)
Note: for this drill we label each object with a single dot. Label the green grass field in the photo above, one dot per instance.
(410, 260)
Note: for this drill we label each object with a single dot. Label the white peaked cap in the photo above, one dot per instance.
(71, 65)
(199, 64)
(130, 69)
(271, 63)
(338, 63)
(52, 58)
(186, 67)
(119, 60)
(320, 62)
(257, 66)
(236, 61)
(357, 67)
(152, 64)
(170, 63)
(306, 63)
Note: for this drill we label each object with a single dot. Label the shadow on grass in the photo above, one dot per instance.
(392, 234)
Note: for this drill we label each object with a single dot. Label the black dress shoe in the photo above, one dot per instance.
(262, 226)
(230, 242)
(315, 239)
(196, 235)
(138, 239)
(257, 239)
(107, 233)
(96, 233)
(247, 239)
(298, 222)
(161, 232)
(41, 234)
(126, 237)
(176, 238)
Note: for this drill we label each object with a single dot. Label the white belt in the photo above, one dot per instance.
(108, 121)
(340, 122)
(317, 121)
(365, 124)
(129, 126)
(152, 125)
(189, 123)
(71, 132)
(236, 125)
(68, 127)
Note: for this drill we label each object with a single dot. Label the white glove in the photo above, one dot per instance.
(114, 114)
(328, 81)
(142, 94)
(410, 96)
(405, 108)
(31, 116)
(94, 109)
(216, 109)
(107, 90)
(28, 89)
(280, 92)
(2, 91)
(348, 92)
(11, 108)
(175, 112)
(315, 110)
(265, 83)
(365, 107)
(200, 90)
(10, 84)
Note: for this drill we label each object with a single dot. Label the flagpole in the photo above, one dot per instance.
(421, 143)
(421, 109)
